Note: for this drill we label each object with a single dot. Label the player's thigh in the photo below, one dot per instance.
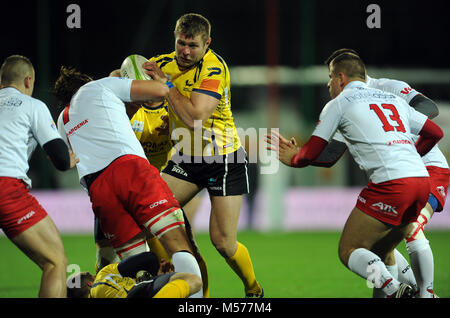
(42, 243)
(191, 207)
(225, 212)
(360, 231)
(183, 190)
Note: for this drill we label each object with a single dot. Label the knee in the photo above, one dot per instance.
(225, 246)
(344, 254)
(56, 260)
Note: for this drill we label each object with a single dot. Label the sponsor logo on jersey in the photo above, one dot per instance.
(400, 142)
(406, 90)
(138, 126)
(74, 129)
(385, 208)
(155, 204)
(26, 217)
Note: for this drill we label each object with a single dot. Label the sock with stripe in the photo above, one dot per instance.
(370, 267)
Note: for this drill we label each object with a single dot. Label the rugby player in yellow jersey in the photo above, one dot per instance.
(138, 276)
(209, 152)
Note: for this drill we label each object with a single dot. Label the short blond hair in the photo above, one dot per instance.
(193, 24)
(14, 69)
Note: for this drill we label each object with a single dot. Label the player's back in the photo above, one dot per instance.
(97, 125)
(377, 128)
(401, 89)
(24, 122)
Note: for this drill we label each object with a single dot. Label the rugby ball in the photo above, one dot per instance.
(132, 67)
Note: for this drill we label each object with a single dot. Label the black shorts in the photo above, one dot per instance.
(149, 288)
(223, 175)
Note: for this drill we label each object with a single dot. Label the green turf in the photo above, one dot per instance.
(289, 265)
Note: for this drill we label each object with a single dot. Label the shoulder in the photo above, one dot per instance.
(212, 58)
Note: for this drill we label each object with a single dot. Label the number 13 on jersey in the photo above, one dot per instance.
(394, 116)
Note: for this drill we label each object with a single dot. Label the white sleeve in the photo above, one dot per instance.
(42, 124)
(61, 130)
(119, 86)
(396, 87)
(329, 120)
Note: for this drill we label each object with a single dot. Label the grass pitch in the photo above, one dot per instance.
(288, 265)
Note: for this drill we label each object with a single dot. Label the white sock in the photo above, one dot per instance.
(393, 270)
(369, 266)
(185, 262)
(405, 273)
(422, 263)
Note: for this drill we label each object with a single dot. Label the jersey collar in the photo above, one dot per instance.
(354, 84)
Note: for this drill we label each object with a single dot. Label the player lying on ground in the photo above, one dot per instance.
(377, 128)
(138, 276)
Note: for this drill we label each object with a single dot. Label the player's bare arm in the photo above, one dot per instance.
(143, 90)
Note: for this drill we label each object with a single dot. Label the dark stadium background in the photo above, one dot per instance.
(413, 34)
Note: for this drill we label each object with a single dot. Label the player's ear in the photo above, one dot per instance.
(342, 80)
(27, 82)
(208, 42)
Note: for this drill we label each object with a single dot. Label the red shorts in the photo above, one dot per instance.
(128, 194)
(395, 202)
(439, 179)
(19, 210)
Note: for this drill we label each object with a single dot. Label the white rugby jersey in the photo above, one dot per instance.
(25, 122)
(434, 157)
(377, 128)
(97, 127)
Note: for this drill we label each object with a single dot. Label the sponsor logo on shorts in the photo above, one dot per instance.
(26, 217)
(215, 188)
(178, 170)
(360, 198)
(441, 190)
(385, 208)
(155, 204)
(109, 235)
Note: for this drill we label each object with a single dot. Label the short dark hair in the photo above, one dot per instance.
(68, 83)
(15, 68)
(339, 52)
(79, 291)
(193, 24)
(350, 64)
